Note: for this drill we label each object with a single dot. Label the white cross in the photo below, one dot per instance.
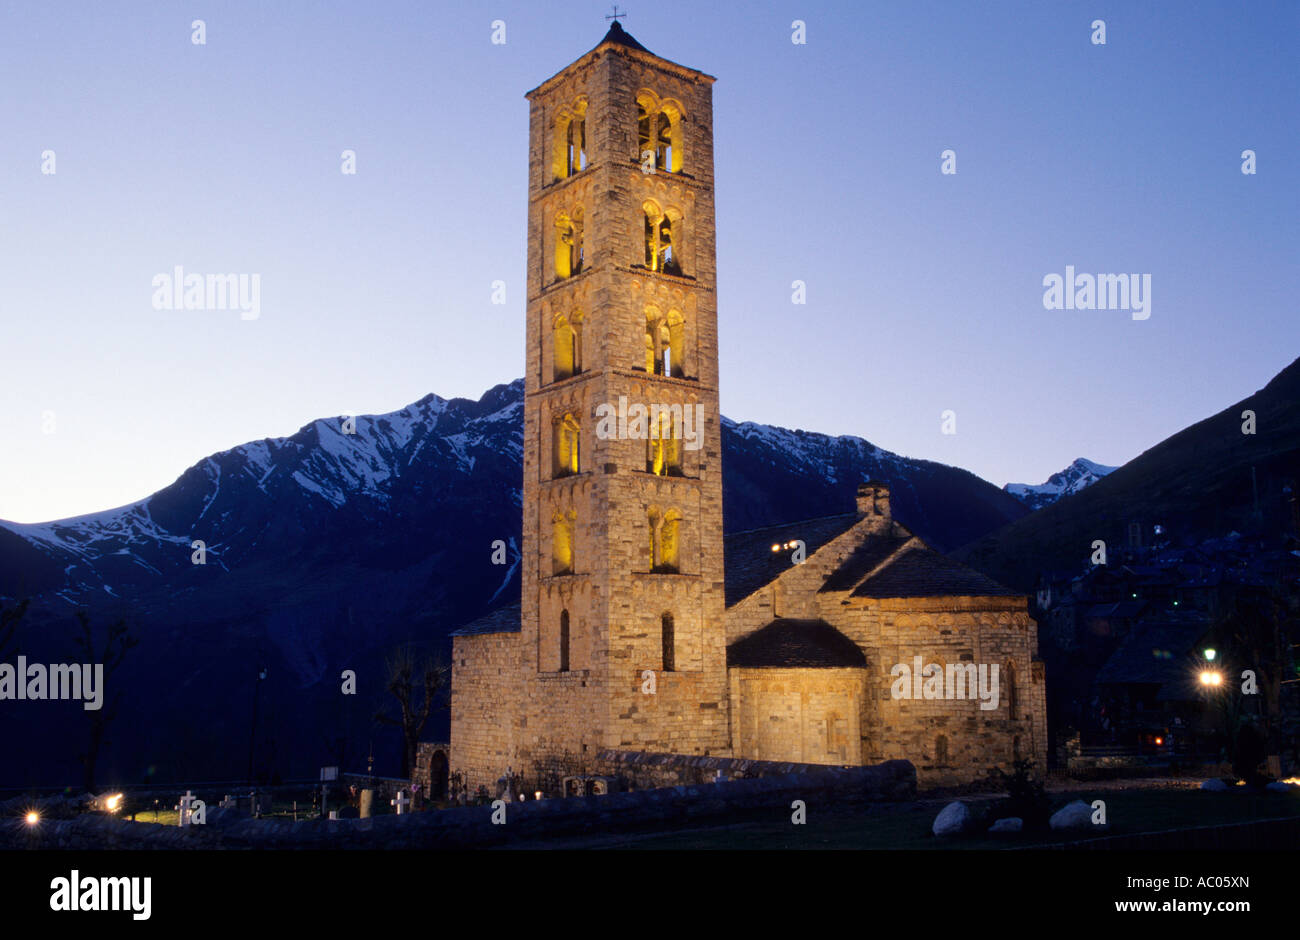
(185, 808)
(401, 802)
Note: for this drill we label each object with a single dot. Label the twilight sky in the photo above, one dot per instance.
(924, 290)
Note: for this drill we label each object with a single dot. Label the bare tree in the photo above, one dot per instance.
(116, 643)
(403, 670)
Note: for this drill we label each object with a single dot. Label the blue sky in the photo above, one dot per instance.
(924, 290)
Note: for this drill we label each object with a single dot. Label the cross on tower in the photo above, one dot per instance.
(617, 15)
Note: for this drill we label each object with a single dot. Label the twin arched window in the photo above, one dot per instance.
(665, 343)
(665, 540)
(662, 235)
(664, 445)
(659, 134)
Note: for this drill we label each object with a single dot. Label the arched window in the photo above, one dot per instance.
(669, 541)
(567, 346)
(654, 518)
(668, 261)
(659, 134)
(576, 140)
(662, 232)
(578, 256)
(668, 635)
(651, 241)
(668, 149)
(664, 540)
(564, 641)
(663, 444)
(562, 542)
(569, 251)
(570, 154)
(675, 360)
(645, 132)
(563, 246)
(566, 447)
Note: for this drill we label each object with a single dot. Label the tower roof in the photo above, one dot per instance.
(621, 37)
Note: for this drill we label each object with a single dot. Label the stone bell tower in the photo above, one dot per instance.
(622, 637)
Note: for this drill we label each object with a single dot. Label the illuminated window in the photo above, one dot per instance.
(566, 444)
(670, 541)
(567, 351)
(675, 352)
(562, 542)
(665, 343)
(659, 134)
(669, 642)
(663, 445)
(665, 540)
(569, 251)
(662, 234)
(570, 156)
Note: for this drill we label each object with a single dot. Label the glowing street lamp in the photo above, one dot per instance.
(33, 818)
(1210, 653)
(1211, 678)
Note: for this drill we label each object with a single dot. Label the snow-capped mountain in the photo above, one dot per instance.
(325, 550)
(1078, 475)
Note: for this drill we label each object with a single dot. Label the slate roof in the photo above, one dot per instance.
(621, 37)
(751, 563)
(1162, 653)
(502, 620)
(808, 644)
(923, 572)
(870, 554)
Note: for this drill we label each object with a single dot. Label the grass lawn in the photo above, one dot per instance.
(907, 826)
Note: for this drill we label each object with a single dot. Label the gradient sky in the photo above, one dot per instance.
(924, 291)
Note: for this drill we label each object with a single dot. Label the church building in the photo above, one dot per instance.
(841, 640)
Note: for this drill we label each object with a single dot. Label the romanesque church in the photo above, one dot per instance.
(641, 628)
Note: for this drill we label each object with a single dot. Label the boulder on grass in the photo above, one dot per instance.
(1073, 816)
(1008, 824)
(953, 820)
(1214, 785)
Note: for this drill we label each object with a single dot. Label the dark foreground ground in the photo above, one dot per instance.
(1133, 807)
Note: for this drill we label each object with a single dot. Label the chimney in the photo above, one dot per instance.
(873, 499)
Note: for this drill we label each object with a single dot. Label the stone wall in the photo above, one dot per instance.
(951, 741)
